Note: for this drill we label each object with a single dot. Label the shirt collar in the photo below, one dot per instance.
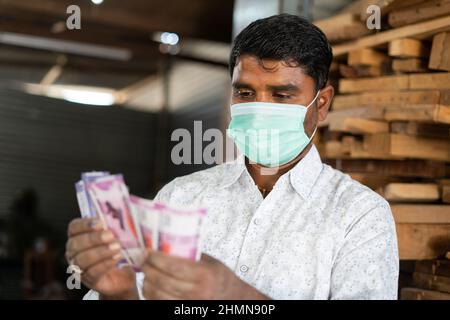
(233, 170)
(305, 173)
(303, 176)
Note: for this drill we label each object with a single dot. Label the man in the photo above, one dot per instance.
(280, 224)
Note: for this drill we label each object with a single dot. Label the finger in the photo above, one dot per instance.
(95, 272)
(82, 225)
(176, 267)
(160, 280)
(90, 257)
(151, 292)
(160, 295)
(86, 241)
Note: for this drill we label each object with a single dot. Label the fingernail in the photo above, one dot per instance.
(107, 236)
(117, 256)
(114, 246)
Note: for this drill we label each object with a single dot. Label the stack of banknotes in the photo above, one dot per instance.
(139, 224)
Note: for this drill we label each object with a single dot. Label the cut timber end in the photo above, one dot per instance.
(366, 56)
(410, 65)
(408, 48)
(440, 52)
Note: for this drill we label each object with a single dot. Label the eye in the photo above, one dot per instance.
(281, 96)
(243, 93)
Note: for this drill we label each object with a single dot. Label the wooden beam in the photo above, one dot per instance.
(338, 20)
(391, 98)
(420, 12)
(366, 56)
(403, 146)
(372, 181)
(417, 31)
(421, 213)
(444, 98)
(411, 65)
(440, 52)
(411, 192)
(419, 241)
(408, 48)
(393, 168)
(358, 125)
(433, 267)
(420, 112)
(342, 27)
(373, 84)
(386, 6)
(421, 294)
(361, 71)
(446, 194)
(421, 129)
(430, 81)
(367, 112)
(431, 282)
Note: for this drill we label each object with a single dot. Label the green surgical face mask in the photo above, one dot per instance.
(270, 134)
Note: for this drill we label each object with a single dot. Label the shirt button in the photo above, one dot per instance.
(256, 221)
(244, 268)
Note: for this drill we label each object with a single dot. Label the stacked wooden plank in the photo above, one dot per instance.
(389, 125)
(430, 281)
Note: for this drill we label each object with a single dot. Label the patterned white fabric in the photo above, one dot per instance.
(317, 235)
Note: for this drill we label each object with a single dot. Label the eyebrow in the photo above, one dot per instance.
(282, 87)
(241, 85)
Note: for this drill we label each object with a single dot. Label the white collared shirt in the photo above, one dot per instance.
(317, 235)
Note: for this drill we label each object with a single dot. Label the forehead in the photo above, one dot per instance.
(251, 69)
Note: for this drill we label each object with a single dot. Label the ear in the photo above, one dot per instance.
(324, 102)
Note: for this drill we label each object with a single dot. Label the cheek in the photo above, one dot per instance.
(234, 100)
(310, 120)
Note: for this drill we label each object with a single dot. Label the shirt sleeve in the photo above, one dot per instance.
(367, 265)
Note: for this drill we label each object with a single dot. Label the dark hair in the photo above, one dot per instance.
(289, 38)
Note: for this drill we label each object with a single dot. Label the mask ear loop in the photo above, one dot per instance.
(317, 94)
(315, 129)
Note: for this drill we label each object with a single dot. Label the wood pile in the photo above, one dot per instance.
(431, 281)
(389, 124)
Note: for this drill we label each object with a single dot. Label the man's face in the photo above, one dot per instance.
(275, 81)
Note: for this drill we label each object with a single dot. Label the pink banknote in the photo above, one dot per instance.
(180, 230)
(111, 199)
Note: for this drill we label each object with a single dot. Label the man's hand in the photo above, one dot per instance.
(96, 252)
(168, 277)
